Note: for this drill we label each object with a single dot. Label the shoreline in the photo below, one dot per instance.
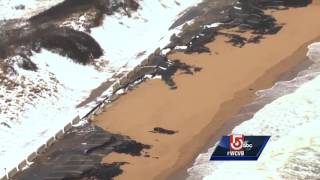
(164, 172)
(240, 117)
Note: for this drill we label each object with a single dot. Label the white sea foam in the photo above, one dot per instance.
(292, 120)
(34, 117)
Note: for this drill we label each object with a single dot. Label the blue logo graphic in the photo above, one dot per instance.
(240, 147)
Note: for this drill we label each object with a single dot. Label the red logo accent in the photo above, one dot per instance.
(236, 142)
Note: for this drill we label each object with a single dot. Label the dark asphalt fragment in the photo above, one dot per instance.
(160, 65)
(79, 153)
(100, 172)
(131, 147)
(198, 42)
(163, 131)
(236, 40)
(245, 15)
(255, 39)
(171, 68)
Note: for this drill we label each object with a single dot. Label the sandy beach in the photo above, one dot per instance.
(204, 102)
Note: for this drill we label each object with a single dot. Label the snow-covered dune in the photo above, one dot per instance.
(16, 9)
(34, 105)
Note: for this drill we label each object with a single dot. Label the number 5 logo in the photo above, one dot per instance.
(236, 142)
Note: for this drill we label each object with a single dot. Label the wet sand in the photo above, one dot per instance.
(204, 102)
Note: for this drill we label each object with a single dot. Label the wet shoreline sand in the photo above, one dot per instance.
(247, 111)
(203, 103)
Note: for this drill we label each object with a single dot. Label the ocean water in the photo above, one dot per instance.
(29, 119)
(292, 118)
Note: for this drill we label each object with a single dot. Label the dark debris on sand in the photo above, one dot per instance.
(160, 65)
(79, 153)
(246, 15)
(236, 40)
(100, 172)
(161, 130)
(242, 15)
(167, 68)
(173, 67)
(131, 147)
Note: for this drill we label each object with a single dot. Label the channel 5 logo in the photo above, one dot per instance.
(240, 147)
(236, 142)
